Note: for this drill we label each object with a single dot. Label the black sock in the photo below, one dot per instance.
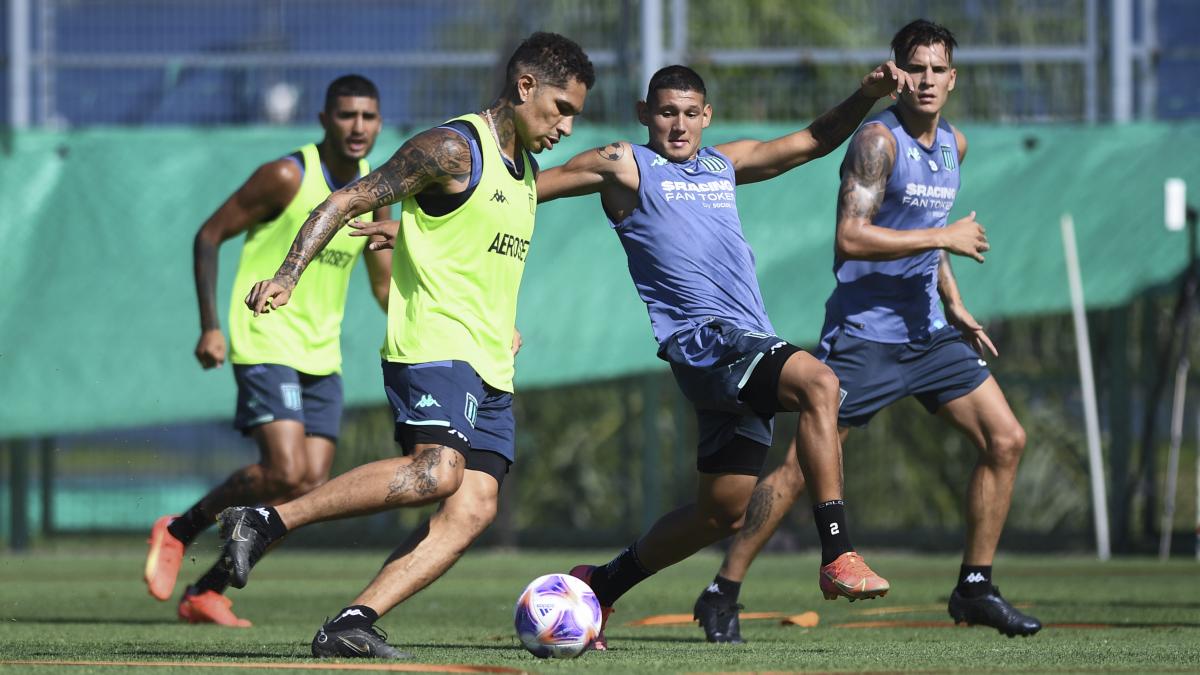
(185, 528)
(275, 527)
(831, 526)
(354, 616)
(726, 589)
(622, 573)
(974, 580)
(215, 579)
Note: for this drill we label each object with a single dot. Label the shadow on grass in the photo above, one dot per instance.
(1117, 604)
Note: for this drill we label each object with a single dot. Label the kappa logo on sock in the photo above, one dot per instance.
(975, 578)
(712, 588)
(264, 513)
(350, 612)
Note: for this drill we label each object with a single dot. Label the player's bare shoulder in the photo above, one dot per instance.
(615, 161)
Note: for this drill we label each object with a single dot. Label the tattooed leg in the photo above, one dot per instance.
(430, 474)
(772, 499)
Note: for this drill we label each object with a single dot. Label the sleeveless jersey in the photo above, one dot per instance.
(688, 258)
(306, 333)
(897, 301)
(455, 277)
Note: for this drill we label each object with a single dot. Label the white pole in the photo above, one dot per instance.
(19, 98)
(1088, 384)
(1122, 55)
(679, 30)
(1168, 512)
(652, 34)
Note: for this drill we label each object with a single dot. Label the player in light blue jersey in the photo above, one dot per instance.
(896, 326)
(672, 202)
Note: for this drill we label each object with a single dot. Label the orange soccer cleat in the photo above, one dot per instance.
(584, 572)
(163, 560)
(848, 576)
(209, 607)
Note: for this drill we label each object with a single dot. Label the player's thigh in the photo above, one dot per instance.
(282, 446)
(434, 403)
(270, 409)
(985, 417)
(805, 382)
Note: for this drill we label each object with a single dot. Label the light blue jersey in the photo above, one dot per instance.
(688, 257)
(897, 301)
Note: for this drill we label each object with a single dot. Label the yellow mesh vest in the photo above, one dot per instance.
(306, 333)
(455, 277)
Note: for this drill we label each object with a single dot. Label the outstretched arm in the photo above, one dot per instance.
(262, 197)
(588, 172)
(865, 172)
(754, 161)
(437, 157)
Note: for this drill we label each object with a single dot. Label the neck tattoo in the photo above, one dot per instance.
(487, 114)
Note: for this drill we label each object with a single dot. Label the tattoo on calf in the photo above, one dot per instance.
(761, 501)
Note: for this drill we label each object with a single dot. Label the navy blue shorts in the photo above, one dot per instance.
(446, 402)
(874, 375)
(736, 397)
(268, 392)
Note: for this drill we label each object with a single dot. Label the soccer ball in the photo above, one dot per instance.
(557, 616)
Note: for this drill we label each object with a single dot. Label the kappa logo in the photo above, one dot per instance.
(776, 346)
(659, 160)
(498, 196)
(428, 401)
(350, 612)
(975, 578)
(713, 588)
(913, 153)
(264, 513)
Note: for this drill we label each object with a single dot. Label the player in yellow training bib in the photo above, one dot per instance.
(468, 193)
(286, 364)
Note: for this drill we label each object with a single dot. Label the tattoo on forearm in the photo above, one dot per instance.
(836, 125)
(426, 158)
(612, 152)
(417, 478)
(864, 175)
(757, 513)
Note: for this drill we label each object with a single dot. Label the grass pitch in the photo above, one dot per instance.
(83, 606)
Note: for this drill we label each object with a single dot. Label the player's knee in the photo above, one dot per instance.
(442, 470)
(473, 517)
(821, 388)
(1005, 447)
(787, 478)
(725, 519)
(285, 479)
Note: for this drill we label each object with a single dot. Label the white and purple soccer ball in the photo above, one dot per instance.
(557, 616)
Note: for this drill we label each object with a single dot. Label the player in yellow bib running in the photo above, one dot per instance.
(468, 195)
(286, 365)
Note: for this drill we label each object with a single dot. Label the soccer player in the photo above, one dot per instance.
(468, 193)
(286, 365)
(896, 326)
(672, 203)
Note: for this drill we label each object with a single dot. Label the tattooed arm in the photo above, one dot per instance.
(865, 173)
(437, 160)
(261, 198)
(609, 170)
(754, 161)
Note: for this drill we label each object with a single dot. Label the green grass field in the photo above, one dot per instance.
(80, 605)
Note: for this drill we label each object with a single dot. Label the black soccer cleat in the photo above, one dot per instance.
(992, 610)
(245, 533)
(718, 618)
(354, 643)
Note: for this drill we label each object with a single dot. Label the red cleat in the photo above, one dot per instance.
(584, 572)
(848, 576)
(163, 560)
(209, 607)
